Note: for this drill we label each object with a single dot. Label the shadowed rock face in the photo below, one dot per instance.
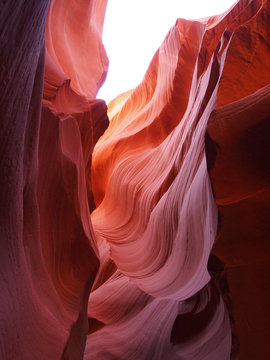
(49, 256)
(178, 180)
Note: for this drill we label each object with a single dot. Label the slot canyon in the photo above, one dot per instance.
(138, 230)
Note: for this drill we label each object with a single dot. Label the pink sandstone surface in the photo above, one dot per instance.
(144, 236)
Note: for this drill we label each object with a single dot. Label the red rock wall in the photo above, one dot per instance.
(179, 179)
(49, 256)
(156, 218)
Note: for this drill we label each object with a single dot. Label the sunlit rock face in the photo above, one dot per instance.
(156, 215)
(75, 68)
(179, 180)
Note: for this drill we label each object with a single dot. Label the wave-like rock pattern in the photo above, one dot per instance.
(156, 216)
(182, 163)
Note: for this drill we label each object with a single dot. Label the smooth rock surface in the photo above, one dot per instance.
(156, 218)
(146, 236)
(49, 256)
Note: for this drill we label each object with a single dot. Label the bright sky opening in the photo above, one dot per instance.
(134, 30)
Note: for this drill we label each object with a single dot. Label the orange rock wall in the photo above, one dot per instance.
(157, 212)
(114, 234)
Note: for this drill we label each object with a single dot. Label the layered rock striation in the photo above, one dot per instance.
(157, 212)
(114, 233)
